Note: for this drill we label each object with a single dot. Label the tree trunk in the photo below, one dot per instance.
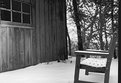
(69, 41)
(105, 29)
(77, 22)
(106, 40)
(113, 29)
(101, 30)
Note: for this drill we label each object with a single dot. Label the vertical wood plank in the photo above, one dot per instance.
(46, 30)
(57, 31)
(26, 47)
(4, 49)
(31, 48)
(11, 49)
(8, 52)
(17, 49)
(54, 30)
(14, 47)
(22, 49)
(38, 29)
(29, 43)
(1, 49)
(42, 30)
(33, 34)
(34, 47)
(51, 29)
(49, 32)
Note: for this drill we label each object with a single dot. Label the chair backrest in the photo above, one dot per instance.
(111, 49)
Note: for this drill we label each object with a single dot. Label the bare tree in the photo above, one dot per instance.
(94, 29)
(77, 22)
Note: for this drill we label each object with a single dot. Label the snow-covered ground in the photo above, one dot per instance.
(54, 72)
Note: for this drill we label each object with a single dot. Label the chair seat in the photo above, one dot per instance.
(95, 62)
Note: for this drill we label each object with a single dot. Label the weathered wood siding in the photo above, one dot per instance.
(50, 29)
(15, 48)
(46, 41)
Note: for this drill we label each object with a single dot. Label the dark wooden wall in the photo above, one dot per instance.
(44, 42)
(50, 29)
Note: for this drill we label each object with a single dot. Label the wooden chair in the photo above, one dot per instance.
(101, 65)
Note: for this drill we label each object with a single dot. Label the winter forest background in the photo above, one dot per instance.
(90, 23)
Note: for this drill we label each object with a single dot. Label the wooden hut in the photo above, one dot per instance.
(31, 32)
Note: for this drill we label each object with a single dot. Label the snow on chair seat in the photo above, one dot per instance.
(95, 62)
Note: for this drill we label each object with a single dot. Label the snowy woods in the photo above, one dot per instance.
(91, 23)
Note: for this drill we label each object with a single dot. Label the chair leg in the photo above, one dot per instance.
(77, 68)
(107, 75)
(86, 72)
